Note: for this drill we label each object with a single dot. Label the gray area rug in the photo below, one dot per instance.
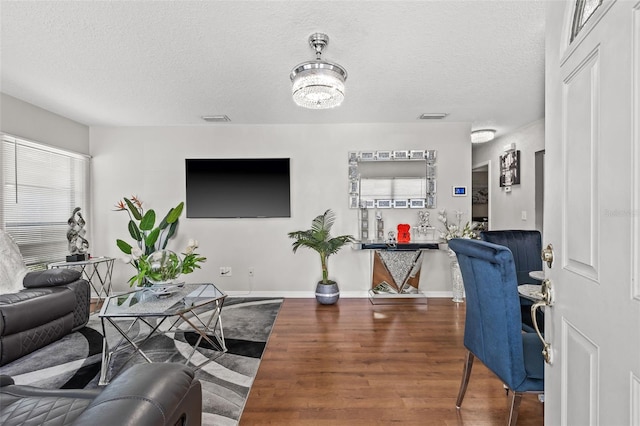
(74, 361)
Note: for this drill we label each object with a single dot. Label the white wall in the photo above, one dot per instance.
(506, 207)
(22, 119)
(149, 162)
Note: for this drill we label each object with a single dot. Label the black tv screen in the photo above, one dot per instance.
(238, 187)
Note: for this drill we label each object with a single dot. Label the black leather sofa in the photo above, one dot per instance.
(144, 395)
(54, 303)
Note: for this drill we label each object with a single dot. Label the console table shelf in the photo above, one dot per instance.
(400, 246)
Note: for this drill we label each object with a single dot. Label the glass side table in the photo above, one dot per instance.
(97, 271)
(186, 305)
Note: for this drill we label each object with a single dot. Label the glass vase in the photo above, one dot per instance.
(165, 267)
(457, 286)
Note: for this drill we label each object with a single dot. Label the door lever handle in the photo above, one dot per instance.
(546, 293)
(546, 299)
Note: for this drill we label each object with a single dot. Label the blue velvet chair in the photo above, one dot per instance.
(525, 245)
(490, 333)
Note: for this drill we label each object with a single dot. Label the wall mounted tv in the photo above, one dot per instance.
(238, 187)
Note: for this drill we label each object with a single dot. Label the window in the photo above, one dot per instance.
(41, 186)
(584, 10)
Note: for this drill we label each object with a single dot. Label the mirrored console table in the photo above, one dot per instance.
(395, 271)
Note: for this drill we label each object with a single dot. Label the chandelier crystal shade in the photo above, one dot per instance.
(318, 84)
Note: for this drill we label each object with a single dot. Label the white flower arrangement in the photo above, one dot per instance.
(454, 230)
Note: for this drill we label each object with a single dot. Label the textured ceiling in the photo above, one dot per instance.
(144, 63)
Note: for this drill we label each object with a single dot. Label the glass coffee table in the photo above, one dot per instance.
(185, 306)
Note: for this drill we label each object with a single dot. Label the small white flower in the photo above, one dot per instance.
(126, 259)
(191, 246)
(136, 253)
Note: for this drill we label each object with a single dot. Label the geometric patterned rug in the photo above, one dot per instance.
(74, 361)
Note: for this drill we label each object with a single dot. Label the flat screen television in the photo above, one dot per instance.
(238, 187)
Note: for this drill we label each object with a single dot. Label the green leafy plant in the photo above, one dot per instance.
(172, 267)
(319, 238)
(191, 258)
(150, 238)
(142, 227)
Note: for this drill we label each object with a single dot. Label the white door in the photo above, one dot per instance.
(592, 215)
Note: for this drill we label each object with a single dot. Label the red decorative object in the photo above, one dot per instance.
(404, 236)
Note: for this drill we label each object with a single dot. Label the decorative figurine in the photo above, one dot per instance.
(78, 245)
(392, 238)
(404, 234)
(379, 226)
(423, 227)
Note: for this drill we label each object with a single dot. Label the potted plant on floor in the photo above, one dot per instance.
(319, 238)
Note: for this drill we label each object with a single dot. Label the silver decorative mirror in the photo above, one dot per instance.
(392, 179)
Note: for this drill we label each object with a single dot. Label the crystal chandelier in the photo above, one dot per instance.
(318, 84)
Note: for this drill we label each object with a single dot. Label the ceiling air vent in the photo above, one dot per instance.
(216, 118)
(433, 115)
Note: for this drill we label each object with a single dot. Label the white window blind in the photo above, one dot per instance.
(41, 187)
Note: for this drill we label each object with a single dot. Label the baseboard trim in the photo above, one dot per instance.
(311, 294)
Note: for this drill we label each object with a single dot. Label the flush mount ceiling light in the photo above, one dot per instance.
(318, 84)
(482, 136)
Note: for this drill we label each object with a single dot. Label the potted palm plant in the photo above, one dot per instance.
(319, 238)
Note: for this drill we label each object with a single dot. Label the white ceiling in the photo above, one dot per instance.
(147, 63)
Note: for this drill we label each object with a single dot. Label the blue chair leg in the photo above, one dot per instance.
(465, 378)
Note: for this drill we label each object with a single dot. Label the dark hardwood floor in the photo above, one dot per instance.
(354, 363)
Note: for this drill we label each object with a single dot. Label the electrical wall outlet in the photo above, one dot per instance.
(251, 272)
(225, 271)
